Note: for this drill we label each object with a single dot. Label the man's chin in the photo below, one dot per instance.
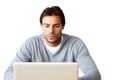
(51, 41)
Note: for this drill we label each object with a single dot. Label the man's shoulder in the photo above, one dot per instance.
(71, 37)
(73, 40)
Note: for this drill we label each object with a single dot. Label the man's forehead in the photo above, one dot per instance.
(51, 24)
(51, 20)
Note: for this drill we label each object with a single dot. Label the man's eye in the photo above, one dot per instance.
(46, 26)
(57, 26)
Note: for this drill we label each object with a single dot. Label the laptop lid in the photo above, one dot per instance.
(46, 71)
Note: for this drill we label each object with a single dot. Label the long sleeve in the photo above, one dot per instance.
(86, 63)
(21, 56)
(8, 75)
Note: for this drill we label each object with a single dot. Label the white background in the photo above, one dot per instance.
(96, 22)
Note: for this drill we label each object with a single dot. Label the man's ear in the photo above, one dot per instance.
(62, 27)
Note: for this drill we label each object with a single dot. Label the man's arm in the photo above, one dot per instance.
(23, 55)
(8, 75)
(86, 63)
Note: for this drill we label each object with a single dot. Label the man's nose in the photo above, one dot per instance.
(51, 29)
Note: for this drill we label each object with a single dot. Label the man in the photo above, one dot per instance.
(54, 46)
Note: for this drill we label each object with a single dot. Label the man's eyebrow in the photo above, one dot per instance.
(45, 24)
(57, 24)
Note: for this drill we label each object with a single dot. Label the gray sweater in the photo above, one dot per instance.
(72, 49)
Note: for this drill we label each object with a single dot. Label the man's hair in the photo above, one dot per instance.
(51, 11)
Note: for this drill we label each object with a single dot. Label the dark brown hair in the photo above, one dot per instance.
(54, 10)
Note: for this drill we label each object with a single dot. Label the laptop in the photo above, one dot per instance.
(46, 71)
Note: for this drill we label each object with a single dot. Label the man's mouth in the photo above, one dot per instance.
(52, 36)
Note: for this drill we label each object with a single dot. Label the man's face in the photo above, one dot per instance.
(52, 30)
